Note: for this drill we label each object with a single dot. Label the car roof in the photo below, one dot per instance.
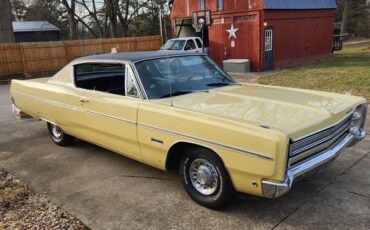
(134, 56)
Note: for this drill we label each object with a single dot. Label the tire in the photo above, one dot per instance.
(210, 185)
(58, 136)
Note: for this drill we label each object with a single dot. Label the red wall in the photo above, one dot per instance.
(179, 9)
(300, 35)
(247, 42)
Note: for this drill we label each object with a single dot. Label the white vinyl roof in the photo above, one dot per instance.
(26, 26)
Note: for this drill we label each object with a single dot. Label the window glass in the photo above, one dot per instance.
(173, 45)
(130, 84)
(164, 77)
(220, 5)
(201, 5)
(199, 43)
(109, 78)
(190, 45)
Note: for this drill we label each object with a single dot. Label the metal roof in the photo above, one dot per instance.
(29, 26)
(135, 56)
(299, 4)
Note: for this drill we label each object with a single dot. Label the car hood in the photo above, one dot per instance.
(295, 112)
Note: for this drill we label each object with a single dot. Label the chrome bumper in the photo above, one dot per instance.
(19, 113)
(272, 189)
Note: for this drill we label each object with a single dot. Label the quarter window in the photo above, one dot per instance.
(130, 84)
(109, 78)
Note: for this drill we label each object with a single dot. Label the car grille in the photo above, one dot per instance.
(309, 146)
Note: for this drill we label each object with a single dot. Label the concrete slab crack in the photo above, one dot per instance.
(359, 194)
(319, 190)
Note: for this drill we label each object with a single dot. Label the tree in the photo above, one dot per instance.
(355, 17)
(71, 11)
(6, 26)
(343, 29)
(359, 18)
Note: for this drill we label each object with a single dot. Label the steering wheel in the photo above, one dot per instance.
(194, 76)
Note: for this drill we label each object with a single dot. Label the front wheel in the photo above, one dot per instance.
(205, 178)
(58, 136)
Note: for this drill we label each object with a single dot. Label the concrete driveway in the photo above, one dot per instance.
(108, 191)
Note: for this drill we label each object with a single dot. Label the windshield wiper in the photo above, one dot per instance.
(222, 83)
(182, 92)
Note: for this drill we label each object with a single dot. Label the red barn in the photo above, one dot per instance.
(270, 33)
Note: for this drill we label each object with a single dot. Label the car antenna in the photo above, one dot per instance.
(169, 78)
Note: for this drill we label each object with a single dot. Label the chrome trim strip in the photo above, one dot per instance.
(323, 140)
(62, 105)
(208, 142)
(331, 126)
(272, 189)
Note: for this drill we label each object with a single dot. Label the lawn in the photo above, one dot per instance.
(347, 71)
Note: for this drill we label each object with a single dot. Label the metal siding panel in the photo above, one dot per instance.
(300, 36)
(246, 45)
(300, 4)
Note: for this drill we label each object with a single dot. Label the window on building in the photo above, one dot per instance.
(220, 5)
(202, 5)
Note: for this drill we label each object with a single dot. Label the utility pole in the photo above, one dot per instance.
(6, 26)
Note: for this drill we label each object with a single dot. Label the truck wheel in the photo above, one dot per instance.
(58, 136)
(205, 178)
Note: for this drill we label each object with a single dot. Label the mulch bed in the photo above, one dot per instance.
(21, 208)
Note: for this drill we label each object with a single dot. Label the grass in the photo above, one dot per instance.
(347, 71)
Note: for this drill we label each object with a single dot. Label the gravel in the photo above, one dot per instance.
(21, 208)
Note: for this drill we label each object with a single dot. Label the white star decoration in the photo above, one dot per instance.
(232, 31)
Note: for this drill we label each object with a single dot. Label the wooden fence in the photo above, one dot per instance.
(36, 59)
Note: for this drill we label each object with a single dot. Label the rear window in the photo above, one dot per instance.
(199, 43)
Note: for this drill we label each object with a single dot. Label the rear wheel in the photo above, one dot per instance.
(58, 136)
(205, 178)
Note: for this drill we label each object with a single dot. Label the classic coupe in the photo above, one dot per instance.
(181, 111)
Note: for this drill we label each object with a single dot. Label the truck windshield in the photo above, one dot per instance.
(173, 76)
(173, 45)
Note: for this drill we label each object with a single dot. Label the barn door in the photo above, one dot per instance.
(268, 48)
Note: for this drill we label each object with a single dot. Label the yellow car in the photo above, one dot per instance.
(181, 111)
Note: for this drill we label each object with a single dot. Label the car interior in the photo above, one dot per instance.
(109, 78)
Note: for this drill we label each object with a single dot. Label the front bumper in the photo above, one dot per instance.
(272, 189)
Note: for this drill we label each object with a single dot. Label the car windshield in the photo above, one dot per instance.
(173, 45)
(175, 76)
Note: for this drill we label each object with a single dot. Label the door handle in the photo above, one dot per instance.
(84, 100)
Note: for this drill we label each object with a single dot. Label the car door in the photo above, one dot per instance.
(190, 45)
(109, 108)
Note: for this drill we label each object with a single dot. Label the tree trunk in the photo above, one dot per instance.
(112, 15)
(71, 11)
(6, 26)
(343, 29)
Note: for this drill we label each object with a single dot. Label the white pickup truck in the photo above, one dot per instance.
(192, 44)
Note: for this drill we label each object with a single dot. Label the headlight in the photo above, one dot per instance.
(358, 118)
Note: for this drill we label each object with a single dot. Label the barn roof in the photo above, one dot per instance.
(299, 4)
(29, 26)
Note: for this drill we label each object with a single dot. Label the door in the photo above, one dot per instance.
(109, 104)
(268, 49)
(190, 45)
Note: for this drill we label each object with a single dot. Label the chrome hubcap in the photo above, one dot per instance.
(203, 176)
(57, 132)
